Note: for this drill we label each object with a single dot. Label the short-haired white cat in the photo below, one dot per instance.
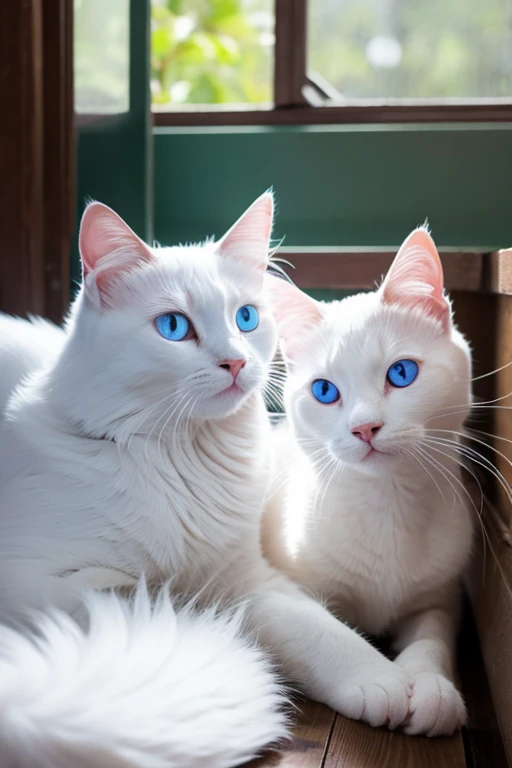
(369, 512)
(143, 446)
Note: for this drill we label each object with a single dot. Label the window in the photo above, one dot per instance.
(363, 60)
(411, 49)
(356, 175)
(211, 52)
(101, 56)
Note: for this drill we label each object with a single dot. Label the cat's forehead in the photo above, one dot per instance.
(187, 278)
(203, 266)
(362, 327)
(352, 314)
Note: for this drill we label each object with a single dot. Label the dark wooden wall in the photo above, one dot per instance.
(36, 156)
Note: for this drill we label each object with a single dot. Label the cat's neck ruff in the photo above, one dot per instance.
(212, 476)
(185, 501)
(229, 446)
(408, 480)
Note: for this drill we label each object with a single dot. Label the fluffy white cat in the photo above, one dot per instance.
(368, 510)
(143, 447)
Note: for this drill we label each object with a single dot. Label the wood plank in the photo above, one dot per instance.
(496, 111)
(475, 315)
(58, 155)
(490, 582)
(341, 268)
(36, 156)
(21, 157)
(499, 278)
(482, 738)
(290, 52)
(502, 415)
(311, 733)
(356, 745)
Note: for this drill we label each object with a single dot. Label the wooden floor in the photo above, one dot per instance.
(323, 739)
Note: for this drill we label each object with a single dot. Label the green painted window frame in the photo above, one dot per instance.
(114, 152)
(340, 185)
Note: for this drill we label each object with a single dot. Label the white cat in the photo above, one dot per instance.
(143, 447)
(369, 511)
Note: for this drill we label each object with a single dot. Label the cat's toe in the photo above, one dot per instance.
(388, 698)
(381, 698)
(436, 707)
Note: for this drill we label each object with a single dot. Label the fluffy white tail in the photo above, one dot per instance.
(144, 686)
(25, 346)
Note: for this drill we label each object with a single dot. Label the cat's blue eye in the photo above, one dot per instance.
(325, 391)
(402, 373)
(173, 326)
(247, 318)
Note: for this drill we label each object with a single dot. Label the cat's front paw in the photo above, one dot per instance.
(379, 696)
(436, 707)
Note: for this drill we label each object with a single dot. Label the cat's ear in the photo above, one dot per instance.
(415, 278)
(108, 247)
(248, 240)
(296, 314)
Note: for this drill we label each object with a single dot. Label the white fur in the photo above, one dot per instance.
(126, 456)
(382, 538)
(24, 347)
(143, 687)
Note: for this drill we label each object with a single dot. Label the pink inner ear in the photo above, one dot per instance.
(108, 246)
(415, 279)
(248, 239)
(295, 312)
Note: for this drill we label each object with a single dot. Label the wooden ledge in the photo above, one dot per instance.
(321, 268)
(347, 269)
(499, 278)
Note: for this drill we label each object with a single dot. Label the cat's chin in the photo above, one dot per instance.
(374, 455)
(223, 404)
(375, 463)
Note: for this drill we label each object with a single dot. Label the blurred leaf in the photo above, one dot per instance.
(175, 6)
(194, 51)
(220, 9)
(226, 49)
(160, 15)
(206, 43)
(161, 97)
(205, 90)
(161, 41)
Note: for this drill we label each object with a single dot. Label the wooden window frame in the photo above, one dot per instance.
(291, 84)
(37, 156)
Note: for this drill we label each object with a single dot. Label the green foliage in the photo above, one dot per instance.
(211, 51)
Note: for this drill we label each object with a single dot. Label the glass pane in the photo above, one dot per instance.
(102, 56)
(211, 52)
(413, 49)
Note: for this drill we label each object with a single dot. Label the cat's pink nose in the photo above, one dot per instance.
(233, 366)
(366, 432)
